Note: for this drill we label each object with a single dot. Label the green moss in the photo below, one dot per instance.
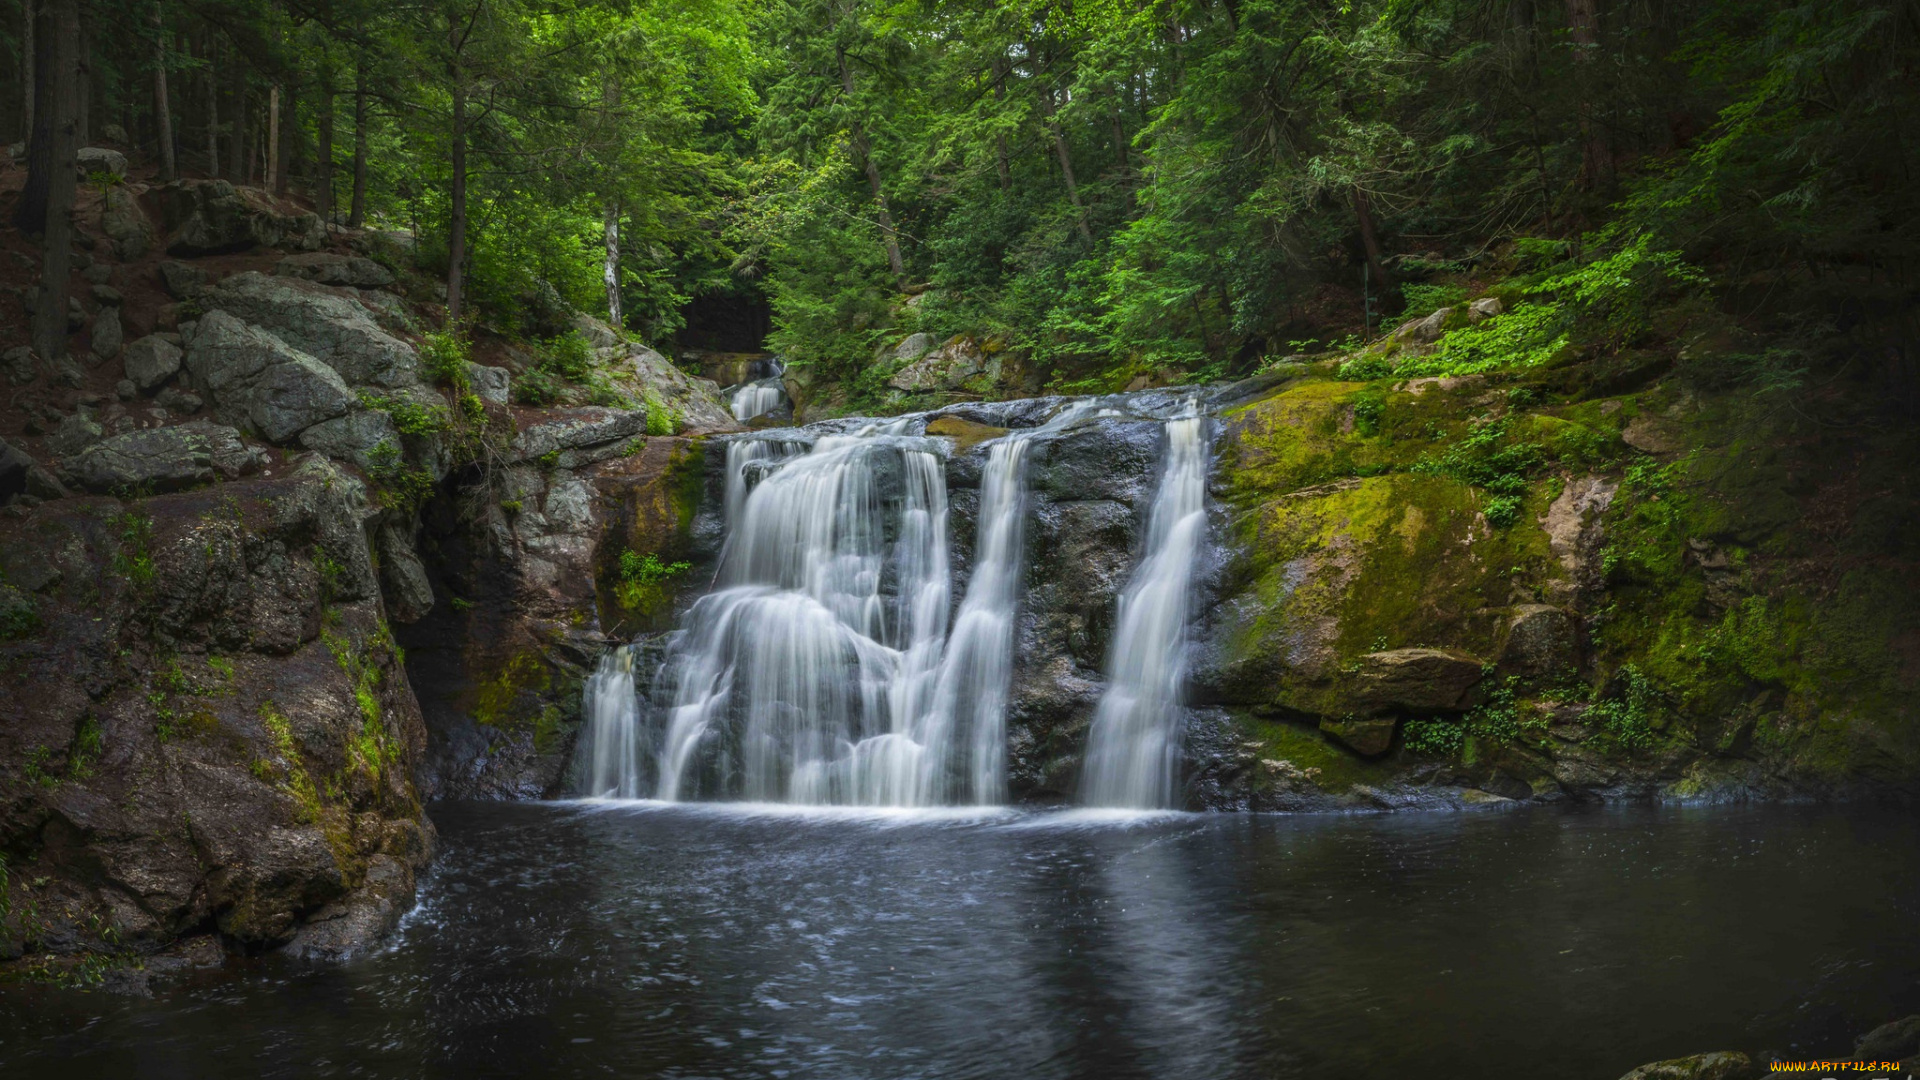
(1332, 768)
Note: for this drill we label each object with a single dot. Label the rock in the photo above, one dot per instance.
(125, 390)
(19, 365)
(914, 347)
(158, 459)
(290, 397)
(965, 433)
(361, 919)
(98, 274)
(67, 373)
(225, 355)
(577, 429)
(696, 401)
(1654, 435)
(178, 401)
(1723, 1065)
(330, 268)
(76, 314)
(1897, 1041)
(1423, 331)
(1416, 680)
(1574, 531)
(210, 217)
(321, 322)
(107, 335)
(125, 224)
(182, 281)
(494, 385)
(598, 334)
(152, 360)
(409, 594)
(352, 437)
(1542, 642)
(106, 294)
(950, 367)
(1484, 308)
(1368, 738)
(21, 475)
(389, 311)
(232, 458)
(74, 434)
(99, 159)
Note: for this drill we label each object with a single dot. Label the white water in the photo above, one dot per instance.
(1133, 748)
(757, 398)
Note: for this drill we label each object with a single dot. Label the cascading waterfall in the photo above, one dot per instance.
(613, 728)
(757, 399)
(1133, 748)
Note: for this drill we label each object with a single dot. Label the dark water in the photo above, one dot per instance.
(571, 941)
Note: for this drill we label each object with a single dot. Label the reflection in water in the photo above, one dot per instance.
(647, 940)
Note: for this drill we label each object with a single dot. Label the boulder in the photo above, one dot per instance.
(19, 365)
(914, 347)
(352, 437)
(1575, 532)
(76, 314)
(125, 224)
(494, 385)
(288, 398)
(1416, 680)
(210, 217)
(323, 322)
(696, 401)
(99, 159)
(1483, 309)
(598, 334)
(389, 311)
(1542, 642)
(106, 294)
(151, 361)
(21, 475)
(1423, 331)
(1654, 435)
(1723, 1065)
(965, 433)
(125, 390)
(1897, 1041)
(224, 355)
(231, 457)
(74, 434)
(107, 335)
(181, 280)
(577, 429)
(950, 367)
(402, 577)
(178, 401)
(330, 268)
(157, 459)
(1366, 737)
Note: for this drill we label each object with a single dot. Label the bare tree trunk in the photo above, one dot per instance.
(213, 109)
(237, 151)
(59, 107)
(457, 229)
(611, 270)
(286, 140)
(30, 13)
(273, 137)
(162, 108)
(1369, 236)
(1596, 155)
(357, 210)
(1066, 162)
(323, 151)
(895, 262)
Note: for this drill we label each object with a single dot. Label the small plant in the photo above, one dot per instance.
(1434, 737)
(660, 419)
(1365, 369)
(87, 743)
(134, 561)
(641, 577)
(409, 417)
(569, 356)
(443, 355)
(1368, 408)
(1423, 300)
(1502, 511)
(1628, 717)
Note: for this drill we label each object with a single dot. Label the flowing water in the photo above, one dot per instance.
(1133, 748)
(639, 940)
(758, 398)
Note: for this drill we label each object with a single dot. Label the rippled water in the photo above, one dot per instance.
(649, 941)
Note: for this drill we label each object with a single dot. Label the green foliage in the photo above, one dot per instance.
(1366, 369)
(19, 614)
(1423, 299)
(398, 484)
(1434, 736)
(410, 417)
(134, 560)
(443, 358)
(1629, 716)
(1488, 458)
(640, 586)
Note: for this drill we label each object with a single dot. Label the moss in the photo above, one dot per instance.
(1307, 749)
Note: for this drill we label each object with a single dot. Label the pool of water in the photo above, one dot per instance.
(639, 940)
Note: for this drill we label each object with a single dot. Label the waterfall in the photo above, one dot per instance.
(613, 726)
(1134, 745)
(758, 398)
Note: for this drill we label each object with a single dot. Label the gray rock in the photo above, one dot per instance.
(914, 347)
(225, 355)
(360, 919)
(107, 335)
(76, 314)
(697, 401)
(598, 334)
(330, 268)
(1542, 641)
(125, 224)
(389, 311)
(67, 373)
(1897, 1041)
(334, 329)
(182, 281)
(493, 384)
(408, 593)
(229, 453)
(75, 433)
(152, 360)
(99, 159)
(125, 390)
(178, 401)
(19, 365)
(210, 217)
(352, 437)
(98, 274)
(106, 294)
(1484, 308)
(1416, 679)
(577, 429)
(1368, 738)
(16, 472)
(157, 459)
(1722, 1065)
(288, 398)
(1423, 331)
(949, 367)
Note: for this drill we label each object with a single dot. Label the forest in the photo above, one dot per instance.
(1118, 193)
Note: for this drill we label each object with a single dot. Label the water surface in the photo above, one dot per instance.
(643, 940)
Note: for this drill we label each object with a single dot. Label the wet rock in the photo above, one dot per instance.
(152, 360)
(1416, 680)
(1542, 641)
(1368, 738)
(182, 281)
(352, 437)
(330, 268)
(965, 433)
(321, 322)
(361, 919)
(1723, 1065)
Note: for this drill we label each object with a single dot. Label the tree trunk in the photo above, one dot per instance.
(286, 141)
(1001, 161)
(30, 213)
(457, 229)
(895, 262)
(1369, 236)
(162, 109)
(213, 109)
(1066, 162)
(273, 138)
(30, 13)
(357, 210)
(323, 152)
(1596, 155)
(83, 86)
(60, 106)
(237, 155)
(611, 270)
